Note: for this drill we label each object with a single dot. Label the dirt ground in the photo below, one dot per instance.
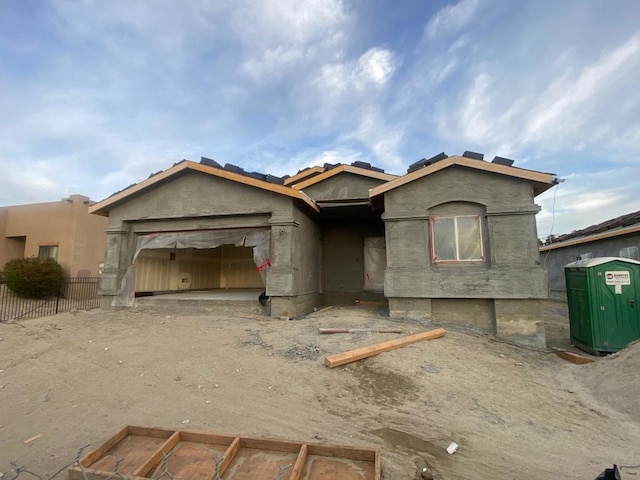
(515, 413)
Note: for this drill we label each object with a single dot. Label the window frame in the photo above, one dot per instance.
(48, 247)
(628, 250)
(434, 258)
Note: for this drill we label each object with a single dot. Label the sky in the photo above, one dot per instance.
(95, 95)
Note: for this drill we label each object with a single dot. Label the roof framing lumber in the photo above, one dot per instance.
(103, 207)
(542, 181)
(342, 169)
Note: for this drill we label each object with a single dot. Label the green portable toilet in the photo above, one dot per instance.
(602, 295)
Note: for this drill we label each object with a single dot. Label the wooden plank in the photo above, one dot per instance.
(296, 471)
(358, 330)
(155, 459)
(229, 455)
(150, 431)
(366, 352)
(206, 437)
(97, 453)
(532, 175)
(344, 168)
(33, 439)
(304, 174)
(574, 358)
(377, 465)
(270, 444)
(340, 451)
(74, 473)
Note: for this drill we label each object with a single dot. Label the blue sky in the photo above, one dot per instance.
(96, 95)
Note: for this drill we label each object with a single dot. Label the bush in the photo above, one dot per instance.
(33, 277)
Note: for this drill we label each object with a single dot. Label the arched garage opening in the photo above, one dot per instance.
(203, 259)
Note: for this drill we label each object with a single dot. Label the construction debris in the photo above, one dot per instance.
(366, 352)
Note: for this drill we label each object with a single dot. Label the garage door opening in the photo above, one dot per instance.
(173, 262)
(163, 270)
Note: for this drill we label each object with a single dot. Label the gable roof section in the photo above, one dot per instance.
(307, 172)
(622, 225)
(342, 169)
(541, 181)
(103, 207)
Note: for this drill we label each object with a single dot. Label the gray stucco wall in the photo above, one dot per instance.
(343, 257)
(342, 186)
(199, 201)
(511, 268)
(510, 271)
(555, 260)
(301, 267)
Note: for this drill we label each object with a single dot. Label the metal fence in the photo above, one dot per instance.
(80, 293)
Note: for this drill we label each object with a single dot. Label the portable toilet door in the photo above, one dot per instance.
(610, 300)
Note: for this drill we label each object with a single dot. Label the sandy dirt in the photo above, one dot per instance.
(516, 414)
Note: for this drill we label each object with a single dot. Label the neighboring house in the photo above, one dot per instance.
(61, 230)
(618, 237)
(454, 240)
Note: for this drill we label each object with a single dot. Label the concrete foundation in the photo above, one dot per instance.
(476, 313)
(521, 322)
(412, 308)
(294, 306)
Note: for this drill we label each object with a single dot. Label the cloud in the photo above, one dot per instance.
(452, 18)
(570, 108)
(586, 199)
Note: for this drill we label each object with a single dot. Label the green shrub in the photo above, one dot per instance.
(33, 277)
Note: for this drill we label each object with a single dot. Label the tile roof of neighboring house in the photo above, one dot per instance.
(541, 181)
(621, 225)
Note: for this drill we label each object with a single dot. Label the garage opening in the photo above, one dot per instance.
(163, 270)
(196, 260)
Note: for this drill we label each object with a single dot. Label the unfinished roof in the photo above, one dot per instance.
(333, 170)
(252, 179)
(304, 173)
(622, 225)
(541, 181)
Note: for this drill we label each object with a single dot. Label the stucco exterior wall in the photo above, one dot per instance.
(511, 267)
(197, 201)
(343, 267)
(342, 186)
(555, 260)
(80, 237)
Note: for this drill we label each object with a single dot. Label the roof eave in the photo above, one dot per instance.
(103, 207)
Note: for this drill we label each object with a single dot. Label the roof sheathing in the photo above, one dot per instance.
(103, 207)
(541, 181)
(342, 169)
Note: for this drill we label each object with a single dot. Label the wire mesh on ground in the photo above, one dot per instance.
(20, 471)
(77, 293)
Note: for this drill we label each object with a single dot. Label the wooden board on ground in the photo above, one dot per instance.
(574, 357)
(359, 330)
(192, 455)
(366, 352)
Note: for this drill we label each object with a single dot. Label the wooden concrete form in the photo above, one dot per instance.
(193, 454)
(366, 352)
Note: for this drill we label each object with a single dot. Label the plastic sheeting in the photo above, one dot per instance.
(258, 239)
(375, 263)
